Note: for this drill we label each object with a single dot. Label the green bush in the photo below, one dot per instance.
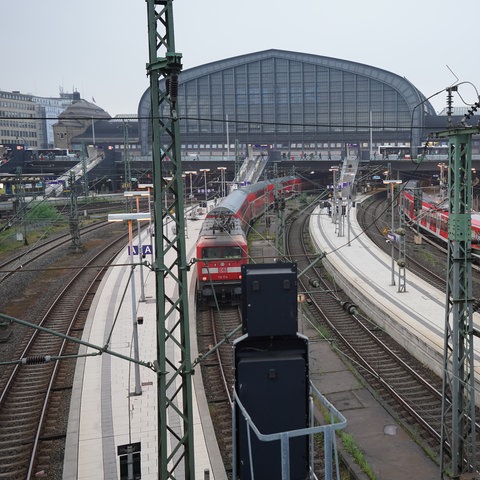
(40, 211)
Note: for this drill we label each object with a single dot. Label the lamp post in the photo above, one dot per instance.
(191, 172)
(130, 217)
(184, 189)
(222, 180)
(149, 187)
(205, 170)
(443, 185)
(334, 170)
(392, 184)
(137, 195)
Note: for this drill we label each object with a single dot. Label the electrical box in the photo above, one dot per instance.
(272, 384)
(269, 304)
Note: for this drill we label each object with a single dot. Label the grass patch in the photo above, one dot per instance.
(352, 448)
(349, 444)
(41, 220)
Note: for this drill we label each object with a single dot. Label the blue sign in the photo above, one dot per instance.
(146, 250)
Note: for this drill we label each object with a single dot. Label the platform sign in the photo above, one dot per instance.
(393, 237)
(146, 249)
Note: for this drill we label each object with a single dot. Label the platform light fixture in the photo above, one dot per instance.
(443, 185)
(222, 181)
(130, 217)
(149, 187)
(334, 169)
(392, 184)
(137, 194)
(190, 173)
(205, 170)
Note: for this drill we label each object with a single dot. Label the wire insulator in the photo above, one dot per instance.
(167, 84)
(449, 106)
(37, 359)
(471, 111)
(173, 87)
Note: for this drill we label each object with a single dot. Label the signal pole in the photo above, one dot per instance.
(174, 375)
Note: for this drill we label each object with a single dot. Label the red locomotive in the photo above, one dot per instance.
(222, 242)
(433, 218)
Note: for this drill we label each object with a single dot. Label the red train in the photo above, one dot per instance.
(222, 243)
(434, 216)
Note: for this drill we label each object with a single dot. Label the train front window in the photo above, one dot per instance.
(229, 252)
(232, 252)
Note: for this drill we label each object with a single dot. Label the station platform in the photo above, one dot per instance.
(105, 413)
(414, 314)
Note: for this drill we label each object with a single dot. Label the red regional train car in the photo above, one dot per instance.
(222, 243)
(433, 218)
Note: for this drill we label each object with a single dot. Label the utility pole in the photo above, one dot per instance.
(279, 208)
(237, 159)
(174, 372)
(128, 174)
(458, 435)
(73, 219)
(85, 172)
(22, 204)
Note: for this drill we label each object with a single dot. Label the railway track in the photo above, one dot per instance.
(216, 331)
(36, 392)
(374, 216)
(24, 258)
(427, 260)
(406, 387)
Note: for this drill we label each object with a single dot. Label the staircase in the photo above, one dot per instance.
(251, 169)
(94, 157)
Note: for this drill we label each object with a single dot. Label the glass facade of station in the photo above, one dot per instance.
(293, 101)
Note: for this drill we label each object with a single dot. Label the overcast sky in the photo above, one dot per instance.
(100, 47)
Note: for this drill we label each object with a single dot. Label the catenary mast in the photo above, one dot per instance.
(173, 365)
(458, 435)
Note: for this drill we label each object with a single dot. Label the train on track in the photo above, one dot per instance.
(222, 248)
(431, 216)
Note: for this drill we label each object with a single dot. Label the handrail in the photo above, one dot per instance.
(338, 422)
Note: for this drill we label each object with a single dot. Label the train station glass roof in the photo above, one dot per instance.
(287, 99)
